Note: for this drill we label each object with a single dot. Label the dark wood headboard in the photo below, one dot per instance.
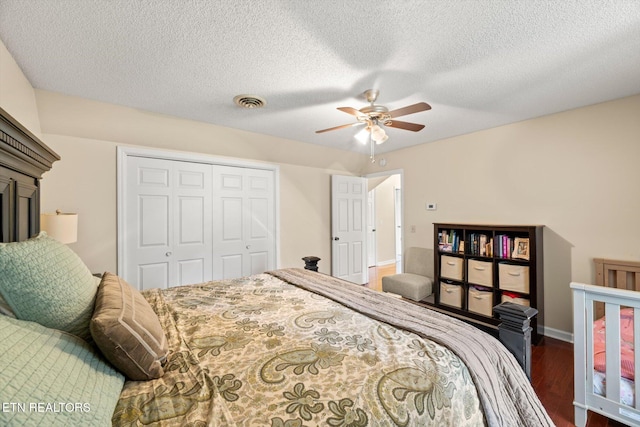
(23, 160)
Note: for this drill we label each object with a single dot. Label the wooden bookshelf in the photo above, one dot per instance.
(477, 266)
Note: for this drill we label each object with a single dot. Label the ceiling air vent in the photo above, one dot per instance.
(249, 101)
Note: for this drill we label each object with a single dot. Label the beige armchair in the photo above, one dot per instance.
(416, 282)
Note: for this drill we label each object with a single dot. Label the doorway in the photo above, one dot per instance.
(386, 206)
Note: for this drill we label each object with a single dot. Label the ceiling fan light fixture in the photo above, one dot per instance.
(362, 136)
(373, 115)
(381, 140)
(378, 134)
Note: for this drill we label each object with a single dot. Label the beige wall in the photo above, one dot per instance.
(84, 181)
(16, 94)
(92, 130)
(72, 116)
(576, 172)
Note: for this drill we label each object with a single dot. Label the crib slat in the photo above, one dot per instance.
(585, 299)
(612, 331)
(636, 354)
(582, 339)
(588, 342)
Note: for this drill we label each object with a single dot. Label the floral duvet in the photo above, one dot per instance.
(259, 351)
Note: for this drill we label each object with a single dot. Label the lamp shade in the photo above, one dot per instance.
(61, 226)
(378, 134)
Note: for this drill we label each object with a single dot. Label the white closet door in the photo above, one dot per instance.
(168, 231)
(244, 221)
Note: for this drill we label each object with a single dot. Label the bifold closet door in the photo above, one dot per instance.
(168, 223)
(244, 221)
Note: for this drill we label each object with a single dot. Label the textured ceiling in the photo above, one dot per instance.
(479, 64)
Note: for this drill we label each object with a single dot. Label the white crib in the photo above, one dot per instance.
(618, 283)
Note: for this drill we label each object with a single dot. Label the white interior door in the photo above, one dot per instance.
(398, 228)
(244, 222)
(371, 229)
(348, 225)
(167, 228)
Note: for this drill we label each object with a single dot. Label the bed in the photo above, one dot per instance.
(606, 325)
(290, 347)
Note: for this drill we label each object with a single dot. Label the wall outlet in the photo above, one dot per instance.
(431, 206)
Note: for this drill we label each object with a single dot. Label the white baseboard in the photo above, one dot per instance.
(387, 262)
(557, 334)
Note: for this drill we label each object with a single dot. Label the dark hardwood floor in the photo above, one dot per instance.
(552, 379)
(551, 372)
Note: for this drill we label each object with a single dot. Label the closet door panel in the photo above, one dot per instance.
(148, 223)
(192, 200)
(244, 221)
(260, 221)
(228, 222)
(191, 271)
(231, 220)
(150, 276)
(153, 218)
(183, 221)
(258, 262)
(230, 266)
(191, 224)
(168, 231)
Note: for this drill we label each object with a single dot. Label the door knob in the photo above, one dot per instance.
(248, 246)
(168, 254)
(336, 238)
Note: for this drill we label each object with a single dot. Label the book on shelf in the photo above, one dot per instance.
(511, 247)
(505, 246)
(445, 247)
(479, 244)
(448, 241)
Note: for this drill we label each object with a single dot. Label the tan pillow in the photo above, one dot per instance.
(127, 330)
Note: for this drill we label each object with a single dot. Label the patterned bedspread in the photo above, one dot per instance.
(260, 351)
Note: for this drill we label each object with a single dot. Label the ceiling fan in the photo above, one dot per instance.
(374, 115)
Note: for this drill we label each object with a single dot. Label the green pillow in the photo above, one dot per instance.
(53, 378)
(5, 309)
(44, 281)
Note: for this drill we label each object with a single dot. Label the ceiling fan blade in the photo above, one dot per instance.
(410, 109)
(404, 125)
(340, 127)
(350, 110)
